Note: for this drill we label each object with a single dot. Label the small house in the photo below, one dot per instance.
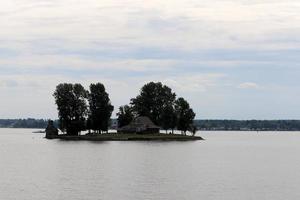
(140, 125)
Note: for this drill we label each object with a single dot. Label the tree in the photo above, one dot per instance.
(72, 108)
(88, 124)
(125, 115)
(185, 114)
(193, 129)
(152, 100)
(100, 107)
(169, 118)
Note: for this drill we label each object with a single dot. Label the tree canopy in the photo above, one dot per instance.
(152, 100)
(185, 114)
(125, 115)
(72, 108)
(169, 118)
(158, 102)
(74, 113)
(100, 107)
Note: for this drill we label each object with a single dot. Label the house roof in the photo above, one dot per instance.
(141, 122)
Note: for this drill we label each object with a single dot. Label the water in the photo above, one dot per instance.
(227, 166)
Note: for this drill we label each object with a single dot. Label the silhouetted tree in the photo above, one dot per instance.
(125, 115)
(152, 100)
(100, 107)
(169, 118)
(72, 108)
(89, 124)
(185, 114)
(193, 129)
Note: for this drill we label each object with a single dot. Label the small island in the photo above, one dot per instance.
(128, 137)
(155, 109)
(140, 129)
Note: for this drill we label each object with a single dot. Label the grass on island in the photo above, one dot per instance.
(124, 137)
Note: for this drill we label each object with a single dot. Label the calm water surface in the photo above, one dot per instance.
(227, 166)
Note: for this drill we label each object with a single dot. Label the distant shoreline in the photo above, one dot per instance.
(202, 125)
(200, 130)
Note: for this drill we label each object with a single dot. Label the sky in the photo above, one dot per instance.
(231, 59)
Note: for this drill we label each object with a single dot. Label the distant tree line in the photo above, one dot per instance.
(25, 123)
(235, 125)
(248, 125)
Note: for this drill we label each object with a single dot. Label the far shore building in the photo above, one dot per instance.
(140, 125)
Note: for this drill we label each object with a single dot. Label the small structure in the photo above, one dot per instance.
(140, 125)
(51, 130)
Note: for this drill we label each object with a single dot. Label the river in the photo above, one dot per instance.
(226, 166)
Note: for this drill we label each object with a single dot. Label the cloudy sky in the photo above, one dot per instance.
(232, 59)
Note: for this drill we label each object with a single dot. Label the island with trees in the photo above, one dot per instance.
(155, 109)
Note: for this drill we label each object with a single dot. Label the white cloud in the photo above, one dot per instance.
(196, 47)
(72, 62)
(249, 85)
(185, 24)
(193, 83)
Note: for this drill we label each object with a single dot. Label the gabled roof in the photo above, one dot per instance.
(141, 122)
